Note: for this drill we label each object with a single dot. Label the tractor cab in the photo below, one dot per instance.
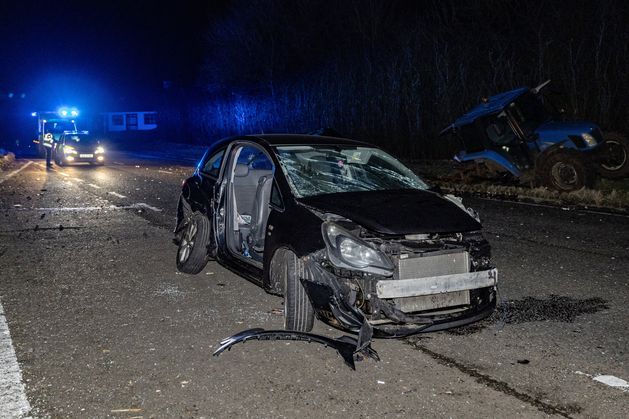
(517, 135)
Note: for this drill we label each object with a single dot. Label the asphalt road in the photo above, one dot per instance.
(102, 325)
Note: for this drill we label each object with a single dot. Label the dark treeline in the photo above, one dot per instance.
(395, 73)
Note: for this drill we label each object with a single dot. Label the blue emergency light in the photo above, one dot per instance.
(65, 112)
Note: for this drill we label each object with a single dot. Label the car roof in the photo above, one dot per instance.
(272, 140)
(303, 139)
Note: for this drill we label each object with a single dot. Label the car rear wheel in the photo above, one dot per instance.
(192, 251)
(298, 312)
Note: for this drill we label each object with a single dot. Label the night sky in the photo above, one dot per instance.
(100, 54)
(399, 70)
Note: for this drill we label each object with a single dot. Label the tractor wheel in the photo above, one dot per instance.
(615, 161)
(565, 171)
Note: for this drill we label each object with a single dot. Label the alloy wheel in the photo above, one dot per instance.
(187, 241)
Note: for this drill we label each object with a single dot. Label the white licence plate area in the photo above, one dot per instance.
(86, 156)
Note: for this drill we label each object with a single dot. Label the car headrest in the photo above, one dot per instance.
(242, 170)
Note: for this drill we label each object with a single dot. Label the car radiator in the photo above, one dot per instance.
(431, 265)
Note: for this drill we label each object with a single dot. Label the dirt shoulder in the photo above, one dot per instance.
(610, 195)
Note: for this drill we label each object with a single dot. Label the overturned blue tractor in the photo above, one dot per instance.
(518, 136)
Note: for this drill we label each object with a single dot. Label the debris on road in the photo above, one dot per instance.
(612, 381)
(346, 346)
(130, 410)
(609, 380)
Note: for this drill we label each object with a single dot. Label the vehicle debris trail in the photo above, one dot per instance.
(346, 346)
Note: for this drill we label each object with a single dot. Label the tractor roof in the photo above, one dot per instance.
(492, 105)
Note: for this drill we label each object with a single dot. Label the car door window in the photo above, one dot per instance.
(276, 197)
(213, 165)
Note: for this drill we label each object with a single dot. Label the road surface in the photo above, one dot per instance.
(98, 323)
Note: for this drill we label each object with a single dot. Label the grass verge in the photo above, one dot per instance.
(608, 195)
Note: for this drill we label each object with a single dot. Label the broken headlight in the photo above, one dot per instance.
(348, 251)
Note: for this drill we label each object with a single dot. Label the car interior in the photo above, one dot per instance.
(248, 196)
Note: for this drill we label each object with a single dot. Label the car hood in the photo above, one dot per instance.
(397, 212)
(556, 131)
(84, 148)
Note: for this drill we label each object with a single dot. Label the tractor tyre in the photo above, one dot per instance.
(565, 171)
(614, 162)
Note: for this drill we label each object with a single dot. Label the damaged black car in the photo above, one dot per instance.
(342, 230)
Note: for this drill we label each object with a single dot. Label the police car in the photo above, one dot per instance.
(78, 147)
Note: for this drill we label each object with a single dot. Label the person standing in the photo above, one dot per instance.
(48, 143)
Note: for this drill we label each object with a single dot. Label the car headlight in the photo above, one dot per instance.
(68, 149)
(589, 140)
(99, 150)
(348, 251)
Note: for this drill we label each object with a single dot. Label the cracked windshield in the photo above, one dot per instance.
(317, 170)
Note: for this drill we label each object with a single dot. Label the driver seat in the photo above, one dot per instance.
(260, 213)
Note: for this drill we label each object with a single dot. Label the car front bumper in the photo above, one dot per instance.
(388, 314)
(83, 158)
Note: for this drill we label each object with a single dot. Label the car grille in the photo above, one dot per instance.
(433, 265)
(429, 266)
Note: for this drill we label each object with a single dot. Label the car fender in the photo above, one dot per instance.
(194, 198)
(295, 228)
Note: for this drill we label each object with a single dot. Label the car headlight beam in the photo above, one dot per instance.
(99, 150)
(350, 252)
(68, 149)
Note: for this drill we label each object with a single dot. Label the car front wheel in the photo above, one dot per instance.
(298, 312)
(192, 251)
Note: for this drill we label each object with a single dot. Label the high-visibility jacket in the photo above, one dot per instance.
(48, 140)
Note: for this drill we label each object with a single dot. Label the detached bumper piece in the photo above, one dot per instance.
(346, 346)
